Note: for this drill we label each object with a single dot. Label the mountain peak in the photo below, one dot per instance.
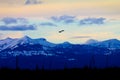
(26, 37)
(115, 40)
(42, 39)
(66, 43)
(24, 40)
(91, 41)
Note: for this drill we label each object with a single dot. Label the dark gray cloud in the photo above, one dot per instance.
(31, 2)
(88, 21)
(47, 24)
(16, 24)
(65, 18)
(76, 37)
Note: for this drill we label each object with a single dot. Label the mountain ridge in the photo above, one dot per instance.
(110, 44)
(11, 43)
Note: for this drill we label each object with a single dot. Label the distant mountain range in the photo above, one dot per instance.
(65, 52)
(13, 43)
(42, 46)
(10, 43)
(110, 44)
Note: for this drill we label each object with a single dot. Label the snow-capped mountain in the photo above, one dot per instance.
(6, 43)
(25, 40)
(41, 41)
(13, 43)
(44, 42)
(27, 45)
(111, 44)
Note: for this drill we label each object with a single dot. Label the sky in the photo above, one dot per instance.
(81, 20)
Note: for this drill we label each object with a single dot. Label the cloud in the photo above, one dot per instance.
(17, 27)
(77, 37)
(31, 2)
(47, 24)
(15, 24)
(9, 20)
(73, 19)
(88, 21)
(65, 18)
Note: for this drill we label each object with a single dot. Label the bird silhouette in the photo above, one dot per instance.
(61, 31)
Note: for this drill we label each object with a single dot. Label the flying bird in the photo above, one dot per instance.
(61, 31)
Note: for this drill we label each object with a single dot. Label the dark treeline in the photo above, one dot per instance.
(72, 74)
